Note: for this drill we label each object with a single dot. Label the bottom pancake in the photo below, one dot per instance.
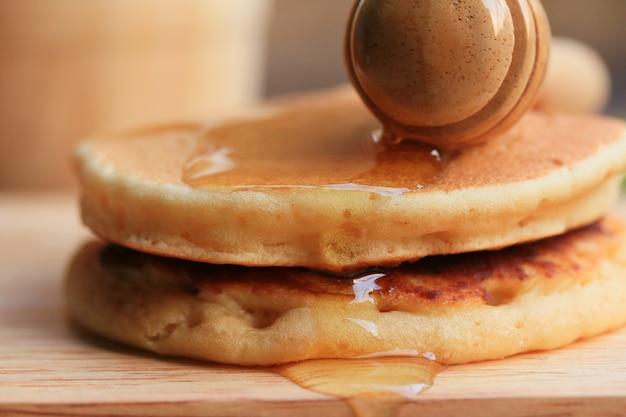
(457, 308)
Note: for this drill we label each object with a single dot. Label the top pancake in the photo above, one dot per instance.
(303, 183)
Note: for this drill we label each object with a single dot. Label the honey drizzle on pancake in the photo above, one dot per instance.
(372, 386)
(321, 145)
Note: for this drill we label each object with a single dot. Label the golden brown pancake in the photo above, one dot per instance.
(306, 183)
(457, 308)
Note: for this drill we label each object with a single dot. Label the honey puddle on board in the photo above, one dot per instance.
(372, 386)
(327, 145)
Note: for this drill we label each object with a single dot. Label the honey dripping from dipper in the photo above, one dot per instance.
(441, 74)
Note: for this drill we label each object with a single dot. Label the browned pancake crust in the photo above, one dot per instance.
(464, 308)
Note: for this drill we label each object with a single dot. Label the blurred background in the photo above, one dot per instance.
(69, 68)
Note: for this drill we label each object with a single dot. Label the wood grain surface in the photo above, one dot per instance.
(47, 367)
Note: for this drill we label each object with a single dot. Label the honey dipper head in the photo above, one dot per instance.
(447, 72)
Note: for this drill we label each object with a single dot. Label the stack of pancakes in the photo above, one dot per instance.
(295, 234)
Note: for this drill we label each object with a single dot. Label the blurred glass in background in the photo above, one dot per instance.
(69, 68)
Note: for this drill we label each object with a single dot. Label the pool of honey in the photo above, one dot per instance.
(378, 385)
(341, 148)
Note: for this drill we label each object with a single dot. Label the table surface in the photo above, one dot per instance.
(47, 367)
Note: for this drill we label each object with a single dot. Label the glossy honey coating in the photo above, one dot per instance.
(447, 72)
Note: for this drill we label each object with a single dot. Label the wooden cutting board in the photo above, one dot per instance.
(49, 368)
